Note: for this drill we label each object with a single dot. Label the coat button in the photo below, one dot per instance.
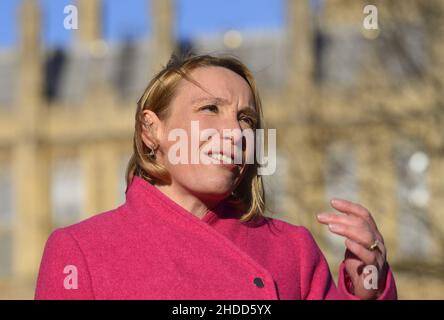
(258, 282)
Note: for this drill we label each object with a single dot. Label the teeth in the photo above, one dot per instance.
(219, 156)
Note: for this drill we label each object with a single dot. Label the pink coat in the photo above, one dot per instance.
(152, 248)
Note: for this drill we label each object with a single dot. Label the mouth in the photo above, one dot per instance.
(223, 159)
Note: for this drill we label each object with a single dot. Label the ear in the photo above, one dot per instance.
(151, 129)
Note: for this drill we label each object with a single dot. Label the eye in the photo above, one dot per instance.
(211, 107)
(251, 123)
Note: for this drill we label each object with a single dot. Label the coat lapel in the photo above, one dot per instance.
(197, 243)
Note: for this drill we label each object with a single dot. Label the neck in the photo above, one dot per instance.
(187, 200)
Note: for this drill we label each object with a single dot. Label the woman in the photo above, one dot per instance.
(196, 229)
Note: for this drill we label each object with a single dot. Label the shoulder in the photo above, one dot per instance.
(101, 227)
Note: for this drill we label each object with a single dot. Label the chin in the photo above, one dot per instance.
(216, 191)
(222, 184)
(221, 192)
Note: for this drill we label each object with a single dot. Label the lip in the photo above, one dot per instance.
(229, 166)
(221, 163)
(227, 155)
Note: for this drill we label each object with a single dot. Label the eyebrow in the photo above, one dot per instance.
(216, 99)
(221, 101)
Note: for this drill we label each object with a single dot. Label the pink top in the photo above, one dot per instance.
(152, 248)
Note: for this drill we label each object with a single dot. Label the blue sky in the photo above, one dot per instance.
(197, 17)
(8, 14)
(131, 18)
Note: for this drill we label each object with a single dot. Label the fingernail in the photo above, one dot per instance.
(334, 227)
(322, 216)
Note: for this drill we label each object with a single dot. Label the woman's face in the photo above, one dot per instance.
(225, 105)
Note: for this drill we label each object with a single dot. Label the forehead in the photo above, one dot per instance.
(218, 82)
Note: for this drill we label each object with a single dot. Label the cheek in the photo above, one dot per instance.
(249, 149)
(205, 125)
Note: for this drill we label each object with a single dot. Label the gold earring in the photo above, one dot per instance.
(152, 153)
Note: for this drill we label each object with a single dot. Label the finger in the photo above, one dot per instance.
(381, 249)
(360, 235)
(366, 256)
(334, 218)
(352, 208)
(355, 248)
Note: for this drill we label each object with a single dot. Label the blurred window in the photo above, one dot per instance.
(55, 66)
(6, 220)
(276, 186)
(413, 196)
(403, 51)
(339, 55)
(124, 159)
(57, 41)
(342, 53)
(67, 191)
(8, 79)
(341, 182)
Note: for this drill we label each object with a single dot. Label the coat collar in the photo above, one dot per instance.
(142, 195)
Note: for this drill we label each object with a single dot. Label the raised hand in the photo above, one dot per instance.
(364, 243)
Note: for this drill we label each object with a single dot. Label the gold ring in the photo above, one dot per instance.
(374, 246)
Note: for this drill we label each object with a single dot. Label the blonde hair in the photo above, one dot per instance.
(249, 195)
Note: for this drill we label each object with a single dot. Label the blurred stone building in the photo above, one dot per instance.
(359, 115)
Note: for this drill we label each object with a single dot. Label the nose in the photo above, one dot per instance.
(232, 131)
(232, 138)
